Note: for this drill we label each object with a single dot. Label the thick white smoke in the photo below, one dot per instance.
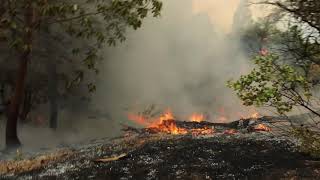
(181, 60)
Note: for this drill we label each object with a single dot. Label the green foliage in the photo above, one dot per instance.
(286, 80)
(258, 35)
(93, 22)
(299, 46)
(272, 84)
(305, 12)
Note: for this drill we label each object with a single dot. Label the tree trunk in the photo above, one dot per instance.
(52, 81)
(26, 107)
(13, 111)
(12, 139)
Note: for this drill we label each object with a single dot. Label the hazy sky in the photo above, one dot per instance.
(221, 12)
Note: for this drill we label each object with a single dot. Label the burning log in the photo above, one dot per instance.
(260, 127)
(196, 126)
(168, 126)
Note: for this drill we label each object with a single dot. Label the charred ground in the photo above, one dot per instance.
(141, 154)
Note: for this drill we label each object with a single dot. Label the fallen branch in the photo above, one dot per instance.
(108, 159)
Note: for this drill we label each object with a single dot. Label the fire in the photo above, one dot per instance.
(170, 126)
(166, 123)
(167, 115)
(139, 119)
(262, 127)
(230, 131)
(255, 115)
(223, 118)
(196, 117)
(202, 131)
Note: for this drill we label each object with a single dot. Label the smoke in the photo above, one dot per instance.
(181, 60)
(221, 13)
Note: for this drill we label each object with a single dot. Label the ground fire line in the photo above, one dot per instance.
(168, 148)
(197, 124)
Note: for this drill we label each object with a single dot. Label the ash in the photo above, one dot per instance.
(149, 155)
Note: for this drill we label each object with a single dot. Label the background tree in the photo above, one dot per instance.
(287, 75)
(291, 61)
(89, 24)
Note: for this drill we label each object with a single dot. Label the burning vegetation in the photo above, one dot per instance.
(196, 125)
(166, 123)
(167, 148)
(196, 117)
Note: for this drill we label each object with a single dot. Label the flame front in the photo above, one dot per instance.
(166, 123)
(202, 131)
(255, 115)
(222, 118)
(262, 127)
(139, 119)
(170, 126)
(167, 115)
(196, 117)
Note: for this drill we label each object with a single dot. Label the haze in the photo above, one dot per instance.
(179, 61)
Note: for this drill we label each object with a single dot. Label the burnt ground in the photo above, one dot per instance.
(255, 155)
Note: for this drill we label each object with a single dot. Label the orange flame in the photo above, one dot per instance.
(262, 127)
(167, 115)
(202, 131)
(170, 126)
(139, 119)
(255, 115)
(222, 119)
(196, 117)
(166, 123)
(222, 116)
(230, 131)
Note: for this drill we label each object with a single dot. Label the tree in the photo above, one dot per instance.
(273, 84)
(284, 77)
(94, 21)
(287, 74)
(258, 36)
(301, 10)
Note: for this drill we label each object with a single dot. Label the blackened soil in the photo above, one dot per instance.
(190, 158)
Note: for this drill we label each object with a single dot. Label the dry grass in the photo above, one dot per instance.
(19, 166)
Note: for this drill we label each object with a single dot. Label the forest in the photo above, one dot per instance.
(159, 89)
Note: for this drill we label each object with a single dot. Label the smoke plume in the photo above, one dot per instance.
(181, 61)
